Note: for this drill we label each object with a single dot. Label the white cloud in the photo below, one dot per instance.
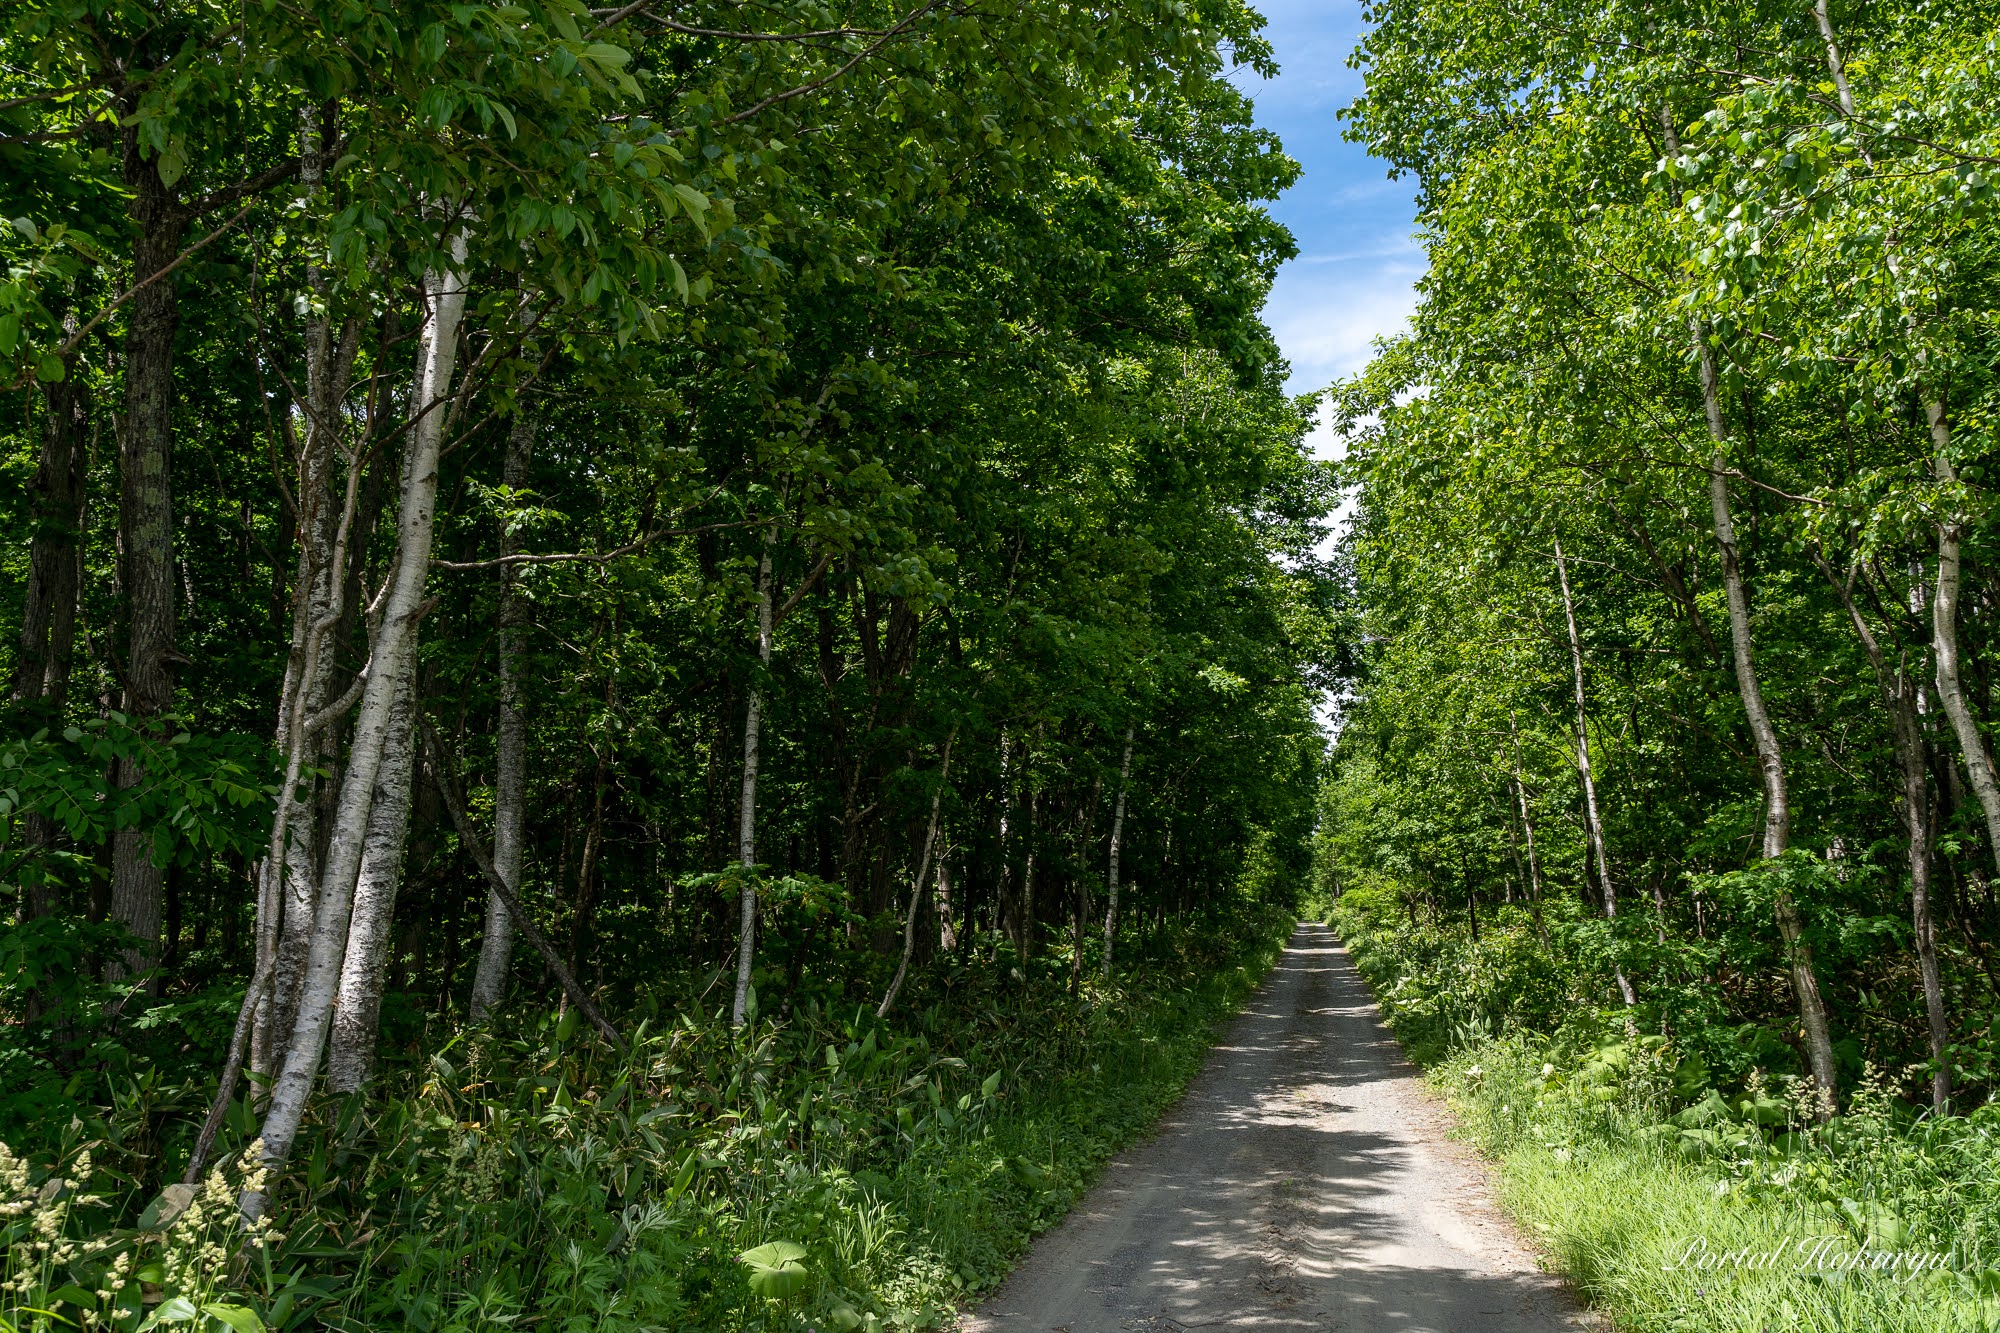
(1327, 313)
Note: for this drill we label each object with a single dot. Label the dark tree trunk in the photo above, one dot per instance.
(145, 523)
(48, 614)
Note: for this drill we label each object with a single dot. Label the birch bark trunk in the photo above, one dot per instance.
(1010, 906)
(510, 783)
(1117, 834)
(1594, 824)
(1899, 696)
(288, 877)
(402, 605)
(1770, 758)
(941, 900)
(1944, 637)
(1528, 834)
(746, 833)
(357, 1005)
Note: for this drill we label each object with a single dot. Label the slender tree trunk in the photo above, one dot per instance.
(941, 899)
(1770, 758)
(1028, 922)
(48, 612)
(746, 835)
(1081, 904)
(288, 877)
(1594, 824)
(392, 655)
(146, 528)
(468, 840)
(510, 783)
(1528, 834)
(586, 866)
(1117, 833)
(1950, 678)
(1899, 692)
(917, 882)
(1010, 905)
(357, 1006)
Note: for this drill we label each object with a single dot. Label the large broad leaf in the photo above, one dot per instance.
(777, 1269)
(239, 1317)
(175, 1310)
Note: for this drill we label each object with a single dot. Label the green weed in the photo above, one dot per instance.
(820, 1170)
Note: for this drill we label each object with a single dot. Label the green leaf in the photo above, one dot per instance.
(51, 369)
(777, 1272)
(175, 1310)
(173, 162)
(239, 1317)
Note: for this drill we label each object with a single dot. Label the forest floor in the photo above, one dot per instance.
(1307, 1180)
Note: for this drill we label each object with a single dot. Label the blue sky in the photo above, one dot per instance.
(1357, 263)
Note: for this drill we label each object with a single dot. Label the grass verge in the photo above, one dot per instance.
(1671, 1203)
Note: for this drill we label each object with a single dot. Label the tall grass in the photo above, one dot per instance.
(1675, 1178)
(529, 1179)
(1666, 1221)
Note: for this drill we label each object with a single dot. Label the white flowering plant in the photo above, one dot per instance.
(185, 1264)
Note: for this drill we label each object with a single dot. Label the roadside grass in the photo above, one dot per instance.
(1750, 1231)
(819, 1170)
(1674, 1199)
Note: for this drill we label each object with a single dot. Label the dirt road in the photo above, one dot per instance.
(1304, 1182)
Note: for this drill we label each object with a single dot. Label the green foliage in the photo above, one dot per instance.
(1877, 1221)
(933, 332)
(1643, 1147)
(198, 797)
(527, 1175)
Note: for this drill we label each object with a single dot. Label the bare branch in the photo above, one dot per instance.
(578, 996)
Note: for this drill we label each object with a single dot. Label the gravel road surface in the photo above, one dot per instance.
(1306, 1181)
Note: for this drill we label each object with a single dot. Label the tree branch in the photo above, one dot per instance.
(594, 557)
(434, 754)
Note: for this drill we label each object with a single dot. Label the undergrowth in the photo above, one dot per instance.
(1677, 1181)
(817, 1169)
